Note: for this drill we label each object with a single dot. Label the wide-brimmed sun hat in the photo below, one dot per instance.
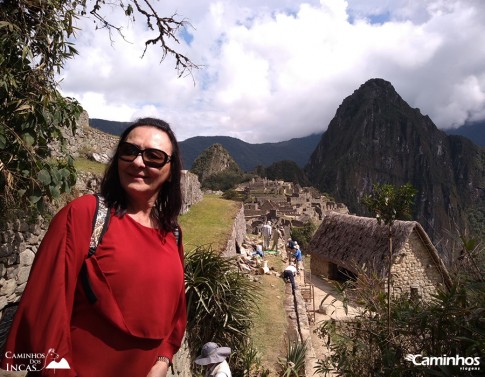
(212, 353)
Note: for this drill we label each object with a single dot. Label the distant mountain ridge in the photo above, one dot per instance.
(474, 131)
(248, 155)
(109, 126)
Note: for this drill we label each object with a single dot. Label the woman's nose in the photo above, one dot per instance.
(138, 161)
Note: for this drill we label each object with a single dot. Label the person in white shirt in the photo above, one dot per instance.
(266, 232)
(214, 357)
(289, 275)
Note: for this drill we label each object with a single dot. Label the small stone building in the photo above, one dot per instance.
(345, 244)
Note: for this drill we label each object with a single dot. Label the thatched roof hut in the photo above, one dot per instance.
(350, 243)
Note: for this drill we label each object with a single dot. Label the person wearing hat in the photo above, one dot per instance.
(298, 258)
(215, 358)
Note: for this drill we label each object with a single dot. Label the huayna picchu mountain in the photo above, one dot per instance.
(216, 168)
(376, 137)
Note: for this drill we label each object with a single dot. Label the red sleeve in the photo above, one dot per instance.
(171, 345)
(42, 321)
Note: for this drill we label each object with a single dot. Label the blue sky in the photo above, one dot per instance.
(272, 70)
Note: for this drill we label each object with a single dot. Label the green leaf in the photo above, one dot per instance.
(64, 173)
(3, 141)
(34, 199)
(28, 139)
(56, 176)
(44, 177)
(54, 190)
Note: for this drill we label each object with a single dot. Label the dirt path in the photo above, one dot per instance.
(325, 293)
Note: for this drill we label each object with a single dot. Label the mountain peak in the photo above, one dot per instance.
(214, 160)
(376, 137)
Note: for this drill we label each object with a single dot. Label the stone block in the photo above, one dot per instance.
(27, 257)
(36, 227)
(23, 274)
(20, 289)
(24, 226)
(7, 287)
(12, 272)
(5, 250)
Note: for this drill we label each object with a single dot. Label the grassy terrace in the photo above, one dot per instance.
(209, 223)
(85, 165)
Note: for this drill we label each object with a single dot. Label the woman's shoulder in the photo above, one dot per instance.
(84, 205)
(84, 202)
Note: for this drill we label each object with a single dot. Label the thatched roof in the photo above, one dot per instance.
(348, 240)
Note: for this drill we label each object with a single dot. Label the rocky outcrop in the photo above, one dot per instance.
(214, 160)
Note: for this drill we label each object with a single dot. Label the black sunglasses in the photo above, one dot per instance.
(154, 158)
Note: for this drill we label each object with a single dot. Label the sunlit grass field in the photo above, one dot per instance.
(209, 222)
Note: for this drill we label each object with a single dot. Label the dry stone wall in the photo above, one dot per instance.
(238, 233)
(86, 141)
(414, 271)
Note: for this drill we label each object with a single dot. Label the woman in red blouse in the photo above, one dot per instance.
(138, 320)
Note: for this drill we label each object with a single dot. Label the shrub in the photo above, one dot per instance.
(220, 301)
(303, 234)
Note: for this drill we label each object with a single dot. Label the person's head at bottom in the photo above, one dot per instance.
(211, 354)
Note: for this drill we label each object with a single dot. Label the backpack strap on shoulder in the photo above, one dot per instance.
(100, 226)
(176, 233)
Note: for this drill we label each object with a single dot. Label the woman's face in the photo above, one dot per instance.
(142, 182)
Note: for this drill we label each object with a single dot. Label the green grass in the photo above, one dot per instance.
(270, 324)
(209, 222)
(85, 165)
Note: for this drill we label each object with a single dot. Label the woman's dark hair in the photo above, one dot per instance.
(169, 201)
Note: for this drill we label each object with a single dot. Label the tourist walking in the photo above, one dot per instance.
(277, 234)
(290, 248)
(266, 232)
(120, 312)
(298, 257)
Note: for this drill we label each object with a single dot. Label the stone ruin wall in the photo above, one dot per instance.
(86, 140)
(238, 233)
(415, 269)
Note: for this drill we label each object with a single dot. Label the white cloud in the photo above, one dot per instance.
(273, 70)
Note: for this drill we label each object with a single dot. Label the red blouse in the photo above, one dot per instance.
(138, 278)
